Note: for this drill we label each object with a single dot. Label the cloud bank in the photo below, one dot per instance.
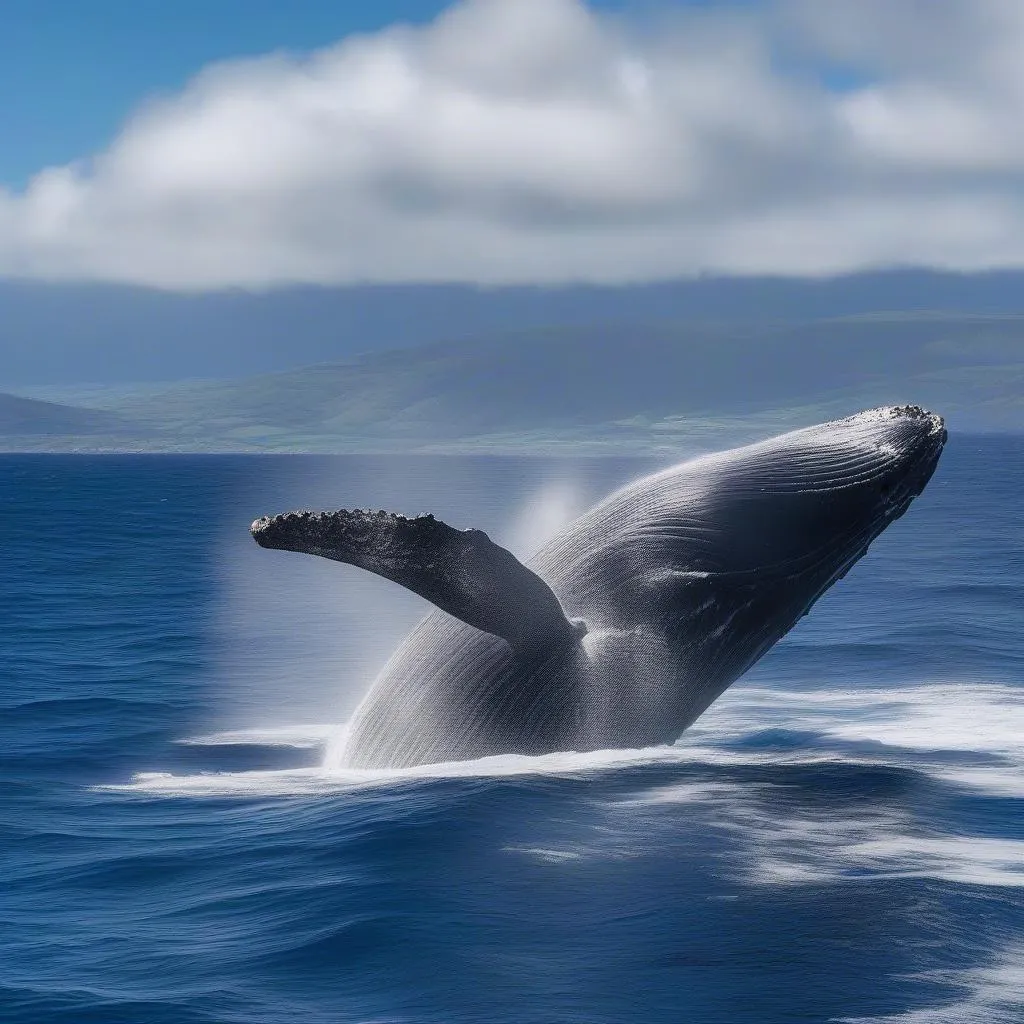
(537, 141)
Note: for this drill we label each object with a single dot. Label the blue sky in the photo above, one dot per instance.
(72, 70)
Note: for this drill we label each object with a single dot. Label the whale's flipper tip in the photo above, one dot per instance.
(463, 572)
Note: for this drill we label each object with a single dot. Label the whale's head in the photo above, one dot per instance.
(823, 493)
(724, 554)
(806, 502)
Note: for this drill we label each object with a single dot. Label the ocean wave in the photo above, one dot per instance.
(299, 737)
(993, 993)
(924, 727)
(329, 781)
(800, 788)
(960, 716)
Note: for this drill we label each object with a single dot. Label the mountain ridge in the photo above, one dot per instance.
(616, 385)
(52, 333)
(33, 417)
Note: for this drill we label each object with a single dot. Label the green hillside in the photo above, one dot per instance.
(27, 423)
(620, 385)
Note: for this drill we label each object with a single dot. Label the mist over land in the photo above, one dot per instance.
(61, 334)
(457, 368)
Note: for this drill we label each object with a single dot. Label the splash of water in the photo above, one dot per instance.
(919, 723)
(546, 512)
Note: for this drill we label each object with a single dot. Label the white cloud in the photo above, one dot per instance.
(516, 141)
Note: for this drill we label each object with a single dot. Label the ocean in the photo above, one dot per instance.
(839, 838)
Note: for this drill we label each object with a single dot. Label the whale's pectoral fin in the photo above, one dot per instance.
(463, 572)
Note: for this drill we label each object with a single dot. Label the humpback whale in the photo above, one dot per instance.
(627, 625)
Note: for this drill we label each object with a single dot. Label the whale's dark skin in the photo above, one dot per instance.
(639, 614)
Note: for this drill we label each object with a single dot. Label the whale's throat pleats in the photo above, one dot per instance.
(463, 572)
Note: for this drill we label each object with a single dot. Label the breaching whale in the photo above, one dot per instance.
(629, 623)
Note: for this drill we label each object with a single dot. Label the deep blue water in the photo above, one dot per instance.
(841, 837)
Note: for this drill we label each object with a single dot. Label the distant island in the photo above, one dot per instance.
(589, 388)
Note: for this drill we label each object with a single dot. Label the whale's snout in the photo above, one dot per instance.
(910, 427)
(909, 440)
(879, 461)
(899, 430)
